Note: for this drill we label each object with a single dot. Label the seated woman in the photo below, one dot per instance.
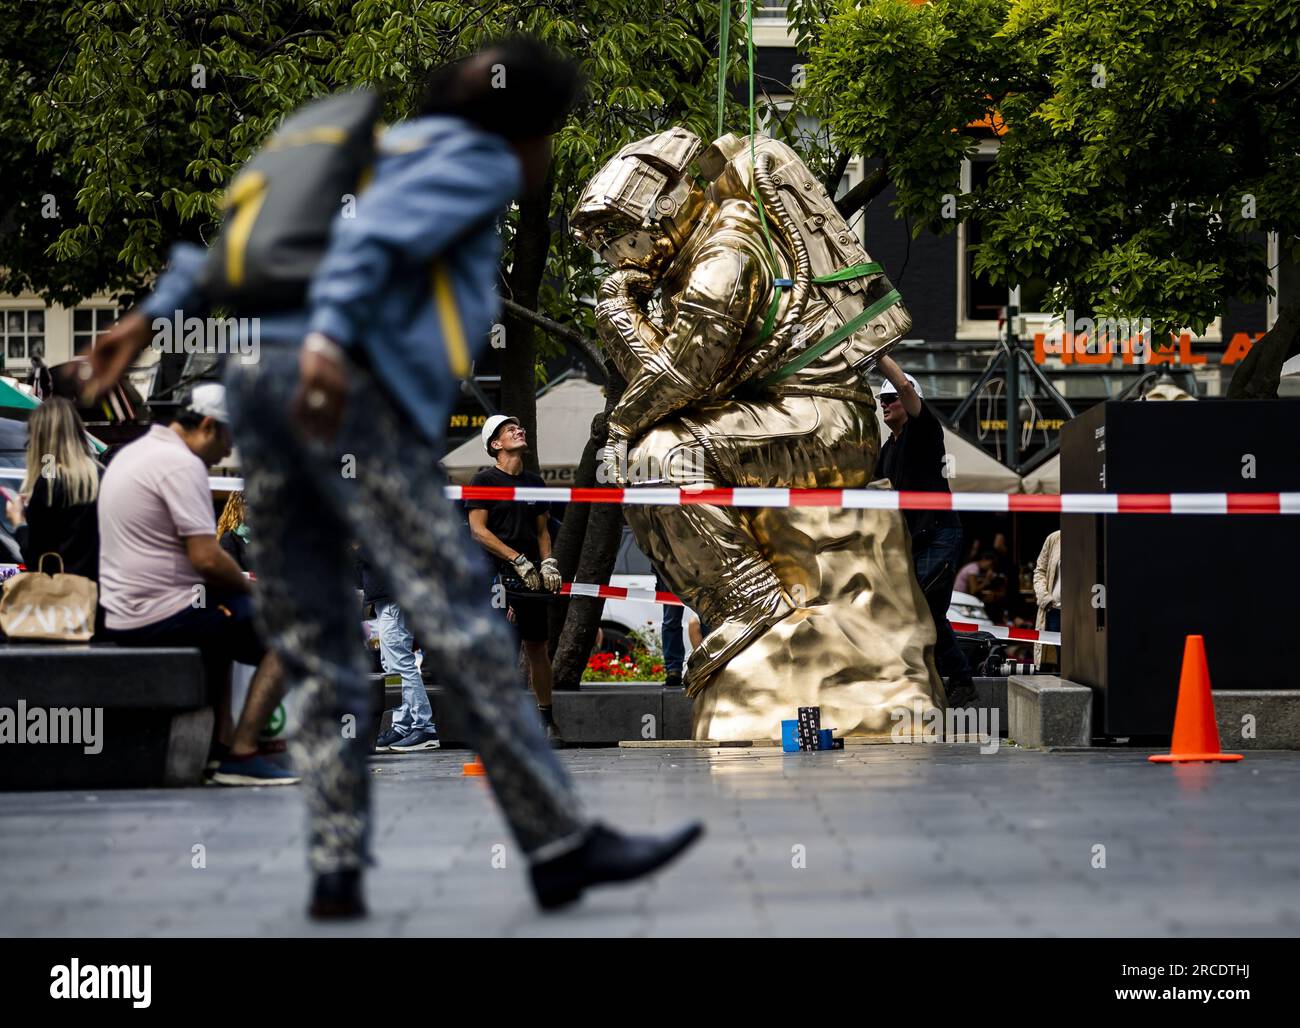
(55, 509)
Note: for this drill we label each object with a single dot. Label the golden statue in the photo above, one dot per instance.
(753, 374)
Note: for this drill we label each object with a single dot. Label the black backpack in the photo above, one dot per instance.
(280, 206)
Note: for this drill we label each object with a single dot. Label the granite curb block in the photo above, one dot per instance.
(1045, 711)
(1271, 716)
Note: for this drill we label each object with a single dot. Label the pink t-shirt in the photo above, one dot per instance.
(154, 495)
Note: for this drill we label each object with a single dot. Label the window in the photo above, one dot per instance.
(88, 324)
(23, 333)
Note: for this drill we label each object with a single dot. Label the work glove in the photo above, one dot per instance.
(527, 573)
(551, 579)
(614, 458)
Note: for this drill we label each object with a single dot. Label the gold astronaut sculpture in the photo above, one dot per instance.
(753, 374)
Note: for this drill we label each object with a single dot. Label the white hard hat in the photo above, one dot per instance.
(209, 400)
(888, 388)
(492, 426)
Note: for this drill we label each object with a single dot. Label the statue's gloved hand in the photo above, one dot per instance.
(551, 575)
(627, 283)
(614, 458)
(527, 573)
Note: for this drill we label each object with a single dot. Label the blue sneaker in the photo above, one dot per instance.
(418, 739)
(386, 739)
(251, 770)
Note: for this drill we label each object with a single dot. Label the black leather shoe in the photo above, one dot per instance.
(553, 735)
(606, 856)
(337, 895)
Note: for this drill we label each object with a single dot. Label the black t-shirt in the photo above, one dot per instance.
(54, 526)
(914, 463)
(513, 522)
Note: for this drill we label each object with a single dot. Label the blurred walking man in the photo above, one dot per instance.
(339, 425)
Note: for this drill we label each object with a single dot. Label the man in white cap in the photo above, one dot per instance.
(164, 581)
(517, 539)
(913, 459)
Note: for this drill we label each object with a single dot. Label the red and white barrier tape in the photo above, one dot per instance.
(868, 499)
(1004, 632)
(886, 499)
(616, 592)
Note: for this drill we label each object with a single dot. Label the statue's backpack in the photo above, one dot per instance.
(828, 266)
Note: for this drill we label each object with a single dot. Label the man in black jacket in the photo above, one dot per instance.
(913, 459)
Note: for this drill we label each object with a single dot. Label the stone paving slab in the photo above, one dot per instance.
(895, 840)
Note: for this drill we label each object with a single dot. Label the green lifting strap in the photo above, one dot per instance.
(838, 336)
(851, 272)
(724, 28)
(843, 275)
(769, 319)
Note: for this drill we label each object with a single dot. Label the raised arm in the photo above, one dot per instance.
(712, 314)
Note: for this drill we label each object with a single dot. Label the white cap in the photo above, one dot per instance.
(888, 388)
(209, 400)
(492, 425)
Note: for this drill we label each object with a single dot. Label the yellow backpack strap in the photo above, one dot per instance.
(453, 330)
(245, 197)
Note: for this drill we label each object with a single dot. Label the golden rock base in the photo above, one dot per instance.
(859, 646)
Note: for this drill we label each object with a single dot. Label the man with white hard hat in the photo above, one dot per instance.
(913, 459)
(517, 539)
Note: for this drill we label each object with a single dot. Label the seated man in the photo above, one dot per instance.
(164, 580)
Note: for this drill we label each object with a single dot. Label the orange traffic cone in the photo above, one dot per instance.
(1196, 733)
(475, 768)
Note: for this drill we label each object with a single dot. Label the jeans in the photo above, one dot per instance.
(397, 654)
(378, 483)
(931, 550)
(671, 629)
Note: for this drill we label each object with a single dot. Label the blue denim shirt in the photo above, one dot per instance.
(410, 280)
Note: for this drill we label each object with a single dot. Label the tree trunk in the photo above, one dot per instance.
(863, 193)
(588, 548)
(573, 532)
(1258, 376)
(532, 243)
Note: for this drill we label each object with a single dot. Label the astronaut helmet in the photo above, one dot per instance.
(640, 207)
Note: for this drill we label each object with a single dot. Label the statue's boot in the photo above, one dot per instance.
(709, 557)
(754, 603)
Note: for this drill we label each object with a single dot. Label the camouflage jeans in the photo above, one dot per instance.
(378, 484)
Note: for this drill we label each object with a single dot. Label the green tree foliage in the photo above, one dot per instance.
(1148, 144)
(135, 114)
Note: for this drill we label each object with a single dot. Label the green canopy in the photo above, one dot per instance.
(11, 396)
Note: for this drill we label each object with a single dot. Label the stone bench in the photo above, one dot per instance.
(153, 726)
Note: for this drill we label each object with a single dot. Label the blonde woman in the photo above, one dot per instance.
(54, 511)
(232, 530)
